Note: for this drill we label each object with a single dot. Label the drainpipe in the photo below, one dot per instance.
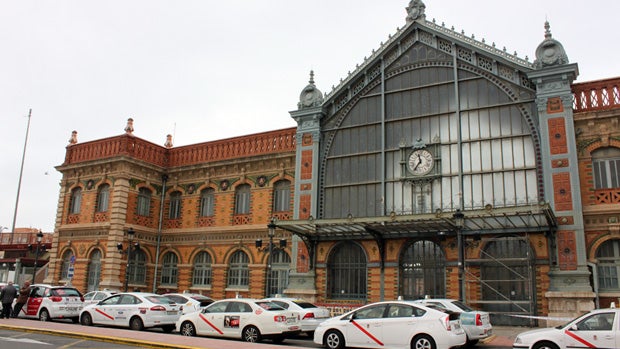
(164, 179)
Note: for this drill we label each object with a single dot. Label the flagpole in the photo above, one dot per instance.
(21, 172)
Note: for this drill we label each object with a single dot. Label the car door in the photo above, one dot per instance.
(211, 320)
(599, 330)
(235, 318)
(124, 309)
(365, 327)
(400, 323)
(103, 312)
(34, 301)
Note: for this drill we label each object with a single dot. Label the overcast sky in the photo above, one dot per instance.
(204, 70)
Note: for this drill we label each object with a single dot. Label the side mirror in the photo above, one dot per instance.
(574, 328)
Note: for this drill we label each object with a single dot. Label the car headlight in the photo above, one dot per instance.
(518, 340)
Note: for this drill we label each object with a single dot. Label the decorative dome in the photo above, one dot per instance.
(310, 96)
(550, 52)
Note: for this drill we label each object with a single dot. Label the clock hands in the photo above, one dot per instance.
(419, 162)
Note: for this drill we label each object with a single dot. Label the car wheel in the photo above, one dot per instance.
(423, 342)
(188, 329)
(333, 340)
(86, 319)
(44, 315)
(545, 345)
(251, 334)
(167, 328)
(136, 324)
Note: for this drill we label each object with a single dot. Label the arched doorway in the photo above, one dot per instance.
(422, 271)
(346, 272)
(507, 281)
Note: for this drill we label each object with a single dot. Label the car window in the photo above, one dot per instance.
(129, 299)
(462, 306)
(65, 292)
(268, 305)
(89, 295)
(436, 305)
(372, 312)
(305, 305)
(216, 307)
(597, 322)
(176, 299)
(282, 304)
(400, 310)
(37, 292)
(159, 300)
(111, 300)
(99, 296)
(239, 307)
(418, 312)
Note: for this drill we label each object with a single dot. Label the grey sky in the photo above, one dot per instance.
(205, 70)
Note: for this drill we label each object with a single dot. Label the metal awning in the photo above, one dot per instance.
(508, 220)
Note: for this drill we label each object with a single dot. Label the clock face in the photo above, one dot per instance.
(420, 162)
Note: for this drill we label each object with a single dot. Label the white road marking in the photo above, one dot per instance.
(22, 340)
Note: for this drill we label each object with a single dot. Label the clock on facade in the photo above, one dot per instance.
(420, 162)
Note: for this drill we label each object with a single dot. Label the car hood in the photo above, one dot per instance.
(538, 332)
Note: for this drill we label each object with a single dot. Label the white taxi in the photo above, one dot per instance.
(476, 323)
(311, 315)
(251, 320)
(191, 301)
(46, 302)
(394, 325)
(598, 328)
(136, 310)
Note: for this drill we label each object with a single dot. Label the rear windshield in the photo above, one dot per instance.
(462, 306)
(159, 300)
(305, 305)
(65, 292)
(269, 306)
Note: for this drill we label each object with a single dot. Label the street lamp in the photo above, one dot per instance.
(36, 255)
(119, 246)
(459, 223)
(271, 232)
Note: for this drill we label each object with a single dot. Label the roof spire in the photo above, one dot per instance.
(311, 77)
(547, 31)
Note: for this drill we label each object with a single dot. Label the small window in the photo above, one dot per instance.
(175, 205)
(76, 201)
(103, 198)
(144, 202)
(282, 196)
(606, 168)
(169, 269)
(207, 202)
(242, 199)
(66, 263)
(202, 269)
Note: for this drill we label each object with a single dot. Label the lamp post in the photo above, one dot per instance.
(130, 235)
(271, 227)
(36, 255)
(459, 223)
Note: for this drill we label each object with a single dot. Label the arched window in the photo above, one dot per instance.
(175, 205)
(66, 263)
(606, 168)
(242, 199)
(202, 269)
(282, 196)
(76, 201)
(137, 268)
(277, 278)
(144, 202)
(346, 272)
(608, 266)
(207, 202)
(94, 271)
(238, 272)
(169, 269)
(422, 271)
(103, 198)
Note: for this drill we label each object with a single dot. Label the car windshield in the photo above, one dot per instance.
(305, 305)
(269, 305)
(462, 306)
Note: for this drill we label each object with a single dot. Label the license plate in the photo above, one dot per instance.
(290, 320)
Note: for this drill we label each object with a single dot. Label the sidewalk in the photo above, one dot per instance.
(502, 336)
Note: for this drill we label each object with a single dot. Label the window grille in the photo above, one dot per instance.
(169, 269)
(202, 269)
(346, 270)
(144, 202)
(207, 202)
(282, 196)
(103, 198)
(423, 271)
(242, 199)
(608, 266)
(175, 205)
(238, 272)
(76, 201)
